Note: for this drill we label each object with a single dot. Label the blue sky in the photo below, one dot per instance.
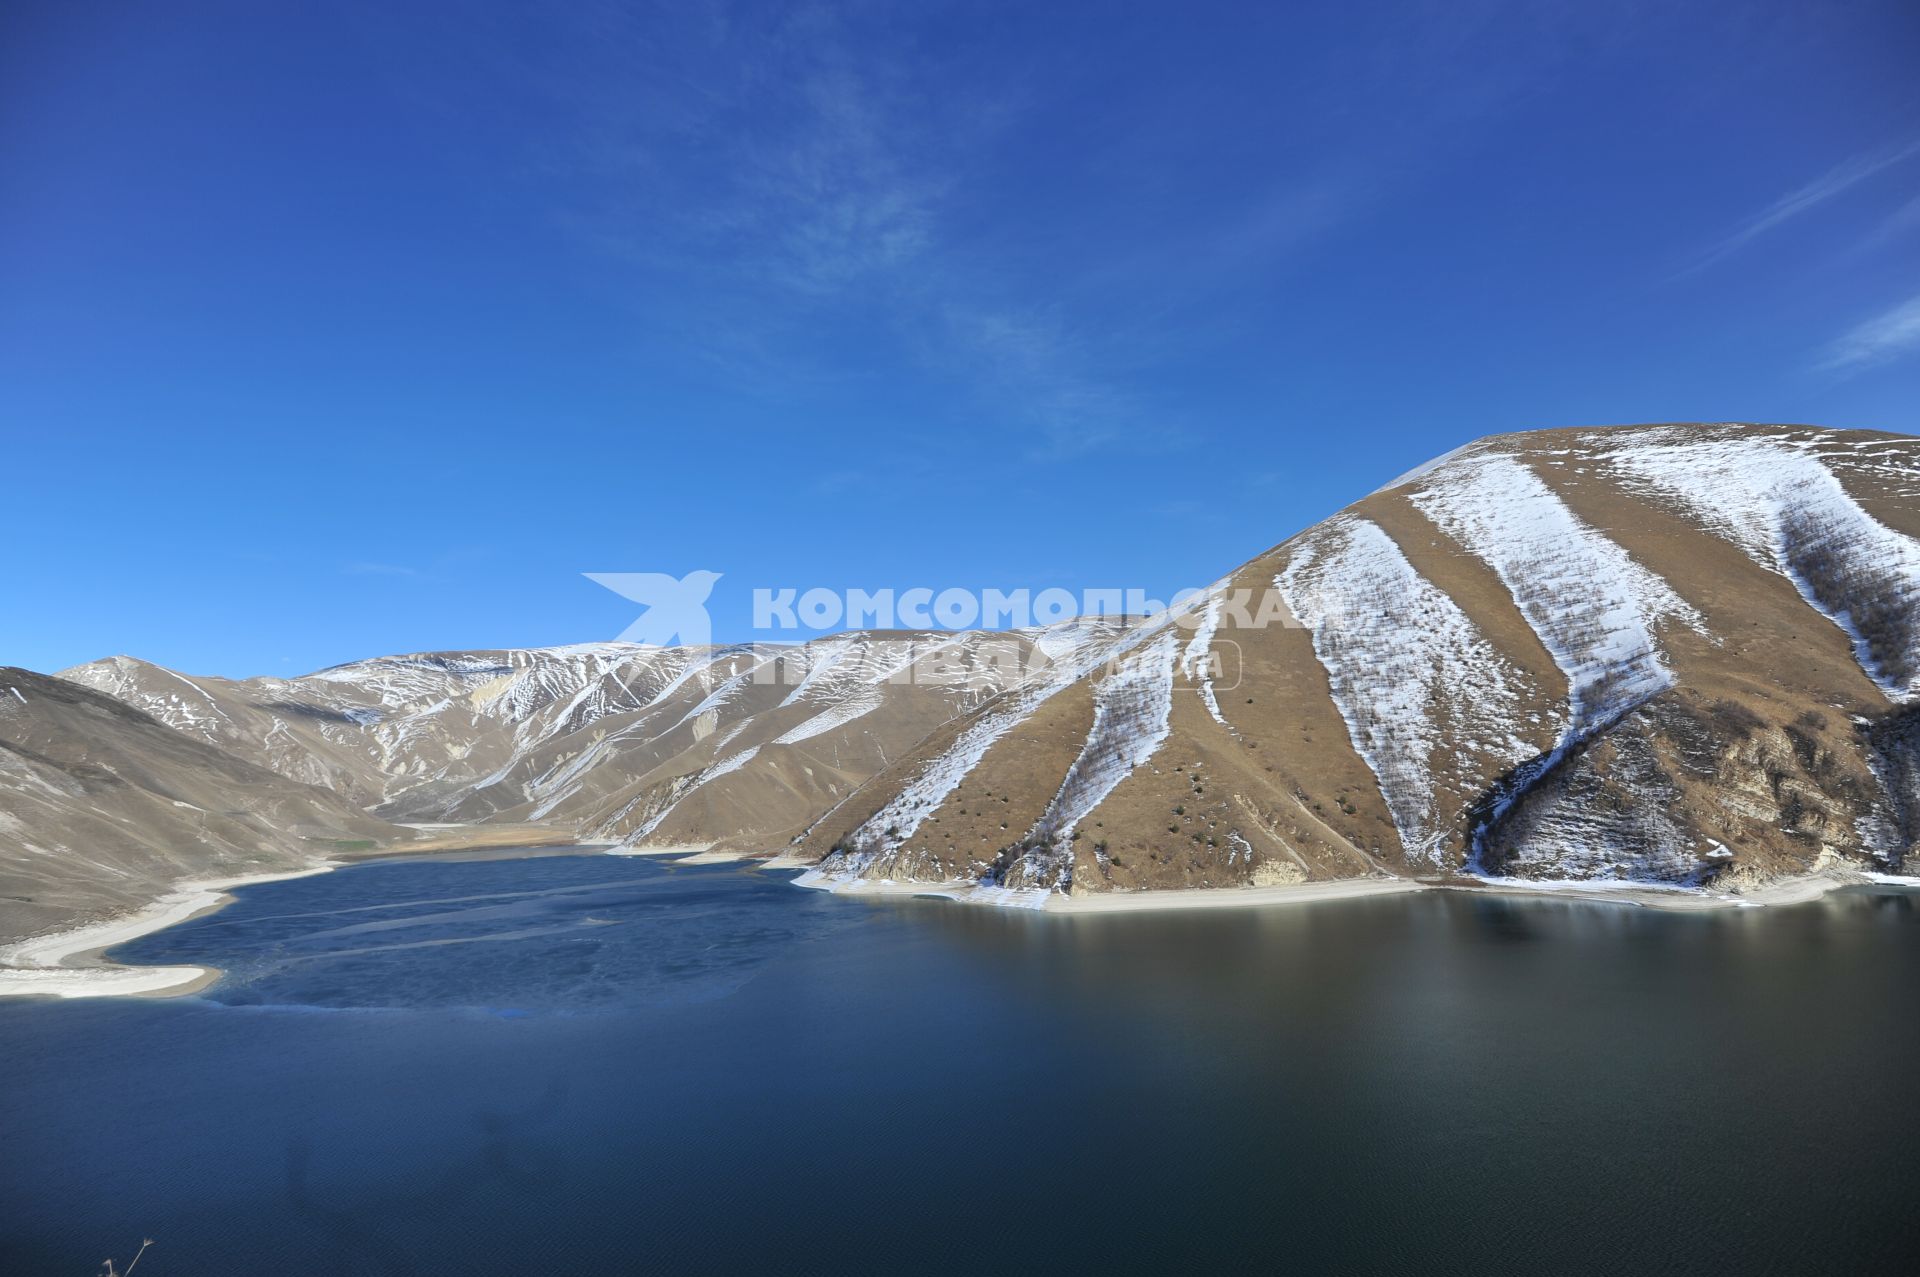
(331, 330)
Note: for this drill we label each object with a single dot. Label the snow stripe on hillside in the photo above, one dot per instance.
(678, 791)
(821, 659)
(1132, 706)
(857, 705)
(1408, 670)
(747, 665)
(1593, 608)
(732, 764)
(1071, 650)
(1789, 513)
(1196, 662)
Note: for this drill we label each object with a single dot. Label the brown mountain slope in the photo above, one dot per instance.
(102, 808)
(1674, 654)
(1683, 655)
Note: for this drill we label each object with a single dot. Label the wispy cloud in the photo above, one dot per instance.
(1031, 364)
(1890, 335)
(1834, 182)
(378, 569)
(1902, 221)
(787, 187)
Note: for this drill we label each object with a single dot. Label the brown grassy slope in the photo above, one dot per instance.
(102, 808)
(1760, 761)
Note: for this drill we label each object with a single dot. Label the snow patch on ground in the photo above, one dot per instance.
(1426, 468)
(1787, 511)
(1594, 609)
(1131, 707)
(1409, 671)
(732, 764)
(857, 705)
(1196, 662)
(1070, 651)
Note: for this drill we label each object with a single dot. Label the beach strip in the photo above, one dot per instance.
(68, 964)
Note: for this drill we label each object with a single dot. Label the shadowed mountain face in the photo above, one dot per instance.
(1672, 654)
(103, 808)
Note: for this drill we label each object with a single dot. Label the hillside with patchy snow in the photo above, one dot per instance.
(739, 747)
(1675, 655)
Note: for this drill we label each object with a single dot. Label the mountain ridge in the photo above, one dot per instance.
(650, 746)
(1681, 655)
(1483, 564)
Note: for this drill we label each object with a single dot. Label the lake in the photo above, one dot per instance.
(585, 1063)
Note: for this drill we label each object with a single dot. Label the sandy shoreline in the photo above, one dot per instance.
(1233, 897)
(714, 858)
(706, 853)
(441, 836)
(675, 849)
(1041, 901)
(68, 964)
(1788, 891)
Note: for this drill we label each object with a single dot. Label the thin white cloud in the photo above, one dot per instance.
(821, 182)
(1894, 225)
(379, 569)
(778, 180)
(1890, 335)
(1841, 178)
(1027, 361)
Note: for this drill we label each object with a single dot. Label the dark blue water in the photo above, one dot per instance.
(577, 1064)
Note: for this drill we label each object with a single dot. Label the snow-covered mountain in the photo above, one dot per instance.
(708, 747)
(1667, 654)
(1671, 654)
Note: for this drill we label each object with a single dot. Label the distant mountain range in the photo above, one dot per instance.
(732, 746)
(104, 809)
(1684, 655)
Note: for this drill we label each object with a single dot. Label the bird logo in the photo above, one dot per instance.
(676, 606)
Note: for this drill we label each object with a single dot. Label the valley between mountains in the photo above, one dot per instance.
(1676, 656)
